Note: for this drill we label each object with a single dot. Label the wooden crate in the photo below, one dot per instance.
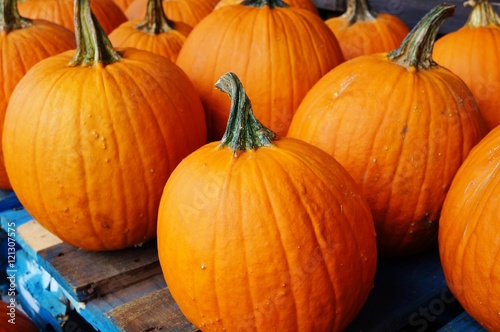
(63, 288)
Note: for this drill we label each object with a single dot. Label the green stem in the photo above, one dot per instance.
(416, 48)
(92, 43)
(243, 132)
(482, 14)
(359, 11)
(10, 18)
(155, 21)
(262, 3)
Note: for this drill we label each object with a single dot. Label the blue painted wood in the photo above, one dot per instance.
(8, 200)
(403, 290)
(462, 323)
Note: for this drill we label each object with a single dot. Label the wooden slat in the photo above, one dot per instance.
(154, 312)
(85, 275)
(462, 323)
(37, 237)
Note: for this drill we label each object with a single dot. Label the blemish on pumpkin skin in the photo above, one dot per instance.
(403, 132)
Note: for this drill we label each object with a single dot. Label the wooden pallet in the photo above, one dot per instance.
(63, 288)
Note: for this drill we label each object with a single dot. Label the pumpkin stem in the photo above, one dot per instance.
(155, 21)
(243, 132)
(359, 11)
(262, 3)
(482, 14)
(10, 18)
(92, 43)
(416, 48)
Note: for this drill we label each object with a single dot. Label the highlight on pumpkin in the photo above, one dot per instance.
(262, 215)
(401, 125)
(111, 127)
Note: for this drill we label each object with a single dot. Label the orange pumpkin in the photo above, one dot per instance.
(472, 52)
(361, 30)
(277, 51)
(401, 125)
(469, 234)
(156, 33)
(123, 4)
(23, 43)
(187, 11)
(61, 12)
(91, 136)
(264, 234)
(22, 322)
(305, 4)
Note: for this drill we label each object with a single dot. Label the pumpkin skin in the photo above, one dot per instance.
(23, 322)
(21, 47)
(469, 234)
(107, 12)
(278, 52)
(99, 140)
(362, 31)
(412, 132)
(472, 52)
(304, 4)
(284, 218)
(123, 4)
(187, 11)
(156, 33)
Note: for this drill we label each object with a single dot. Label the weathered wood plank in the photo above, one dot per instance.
(154, 312)
(86, 275)
(37, 237)
(462, 323)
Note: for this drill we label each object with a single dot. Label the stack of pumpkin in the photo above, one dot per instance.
(341, 140)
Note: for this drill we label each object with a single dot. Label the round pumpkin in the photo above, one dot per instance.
(23, 43)
(469, 234)
(107, 12)
(156, 33)
(473, 53)
(10, 311)
(264, 234)
(91, 137)
(401, 125)
(279, 52)
(361, 30)
(189, 12)
(304, 4)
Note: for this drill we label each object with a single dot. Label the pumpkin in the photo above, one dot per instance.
(187, 11)
(361, 30)
(91, 136)
(22, 322)
(305, 4)
(156, 33)
(61, 12)
(277, 51)
(469, 234)
(23, 43)
(472, 52)
(264, 234)
(401, 125)
(123, 4)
